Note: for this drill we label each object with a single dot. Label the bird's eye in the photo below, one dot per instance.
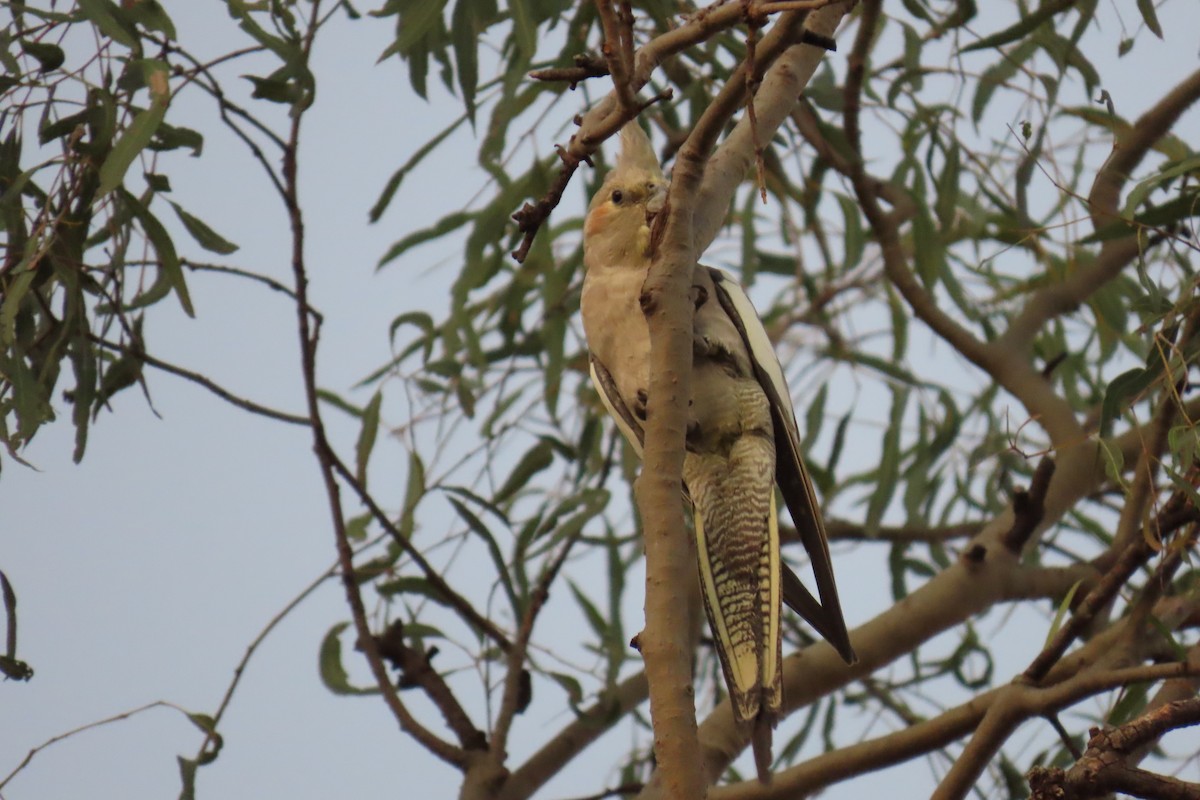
(617, 196)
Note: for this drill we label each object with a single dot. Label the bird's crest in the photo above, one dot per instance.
(636, 151)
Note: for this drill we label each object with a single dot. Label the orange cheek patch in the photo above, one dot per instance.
(595, 221)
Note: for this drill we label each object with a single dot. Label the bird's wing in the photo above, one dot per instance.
(790, 473)
(627, 423)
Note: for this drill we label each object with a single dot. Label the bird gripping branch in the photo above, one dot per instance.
(742, 440)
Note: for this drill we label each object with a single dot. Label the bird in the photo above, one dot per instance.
(741, 442)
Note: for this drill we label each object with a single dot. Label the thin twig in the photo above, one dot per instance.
(586, 66)
(437, 582)
(200, 380)
(98, 723)
(309, 336)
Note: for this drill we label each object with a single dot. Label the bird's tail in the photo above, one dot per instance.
(760, 741)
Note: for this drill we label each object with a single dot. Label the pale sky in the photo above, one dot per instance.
(144, 572)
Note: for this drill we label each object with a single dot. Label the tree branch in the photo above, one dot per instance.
(576, 737)
(1104, 767)
(606, 117)
(665, 644)
(929, 735)
(776, 97)
(309, 335)
(200, 380)
(1129, 150)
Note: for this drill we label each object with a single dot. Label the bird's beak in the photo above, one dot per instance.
(656, 202)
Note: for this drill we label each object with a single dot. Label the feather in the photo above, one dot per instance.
(790, 473)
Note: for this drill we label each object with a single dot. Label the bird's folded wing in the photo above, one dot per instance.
(790, 473)
(627, 423)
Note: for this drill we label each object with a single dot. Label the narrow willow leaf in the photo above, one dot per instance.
(597, 620)
(536, 459)
(187, 774)
(205, 236)
(814, 418)
(1150, 17)
(356, 527)
(445, 225)
(393, 183)
(1131, 703)
(889, 461)
(170, 272)
(132, 142)
(1061, 613)
(1121, 391)
(413, 493)
(475, 524)
(366, 437)
(111, 21)
(415, 25)
(524, 29)
(1022, 27)
(329, 664)
(854, 239)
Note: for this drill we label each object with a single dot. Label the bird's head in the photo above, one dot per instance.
(617, 229)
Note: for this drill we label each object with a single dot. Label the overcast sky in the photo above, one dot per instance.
(145, 571)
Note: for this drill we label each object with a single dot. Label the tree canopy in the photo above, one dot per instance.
(969, 231)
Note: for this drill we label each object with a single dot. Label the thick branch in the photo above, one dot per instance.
(1105, 767)
(776, 97)
(665, 644)
(606, 117)
(575, 738)
(1007, 367)
(930, 735)
(1131, 147)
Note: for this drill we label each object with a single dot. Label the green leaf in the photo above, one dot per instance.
(1121, 391)
(356, 527)
(1023, 27)
(854, 238)
(475, 524)
(329, 664)
(111, 21)
(49, 56)
(814, 418)
(172, 137)
(524, 29)
(465, 24)
(366, 437)
(998, 74)
(570, 685)
(536, 459)
(413, 493)
(929, 254)
(597, 620)
(1150, 17)
(275, 90)
(415, 25)
(1131, 703)
(1061, 613)
(205, 236)
(151, 16)
(445, 225)
(132, 141)
(170, 273)
(389, 190)
(889, 461)
(1138, 193)
(187, 773)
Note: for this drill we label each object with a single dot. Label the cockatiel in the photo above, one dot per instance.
(742, 440)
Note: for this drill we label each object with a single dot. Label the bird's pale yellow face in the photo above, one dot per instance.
(617, 229)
